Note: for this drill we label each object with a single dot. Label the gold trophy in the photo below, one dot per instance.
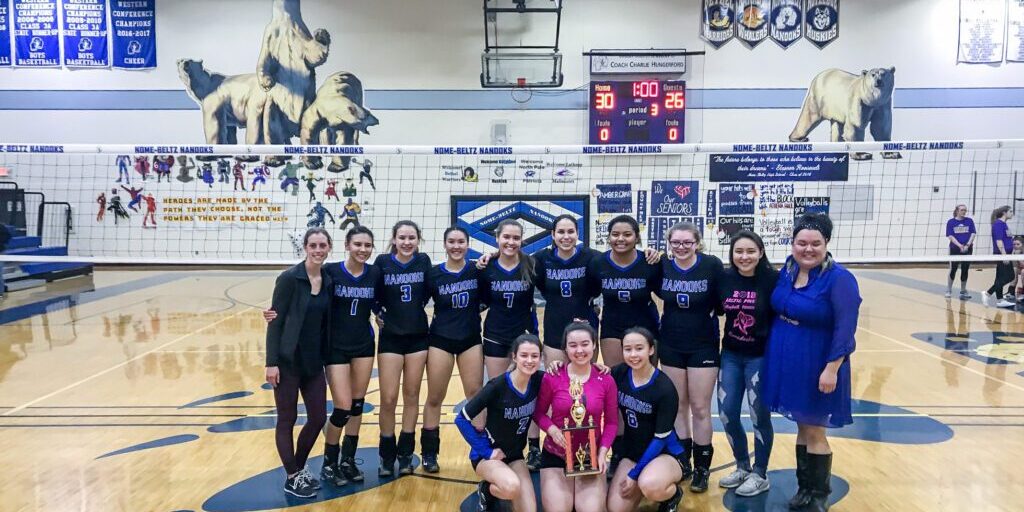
(585, 456)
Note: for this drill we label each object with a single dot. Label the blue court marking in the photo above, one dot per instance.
(989, 347)
(783, 488)
(218, 398)
(475, 99)
(268, 421)
(264, 491)
(157, 443)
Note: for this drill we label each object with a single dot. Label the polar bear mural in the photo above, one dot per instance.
(336, 117)
(852, 103)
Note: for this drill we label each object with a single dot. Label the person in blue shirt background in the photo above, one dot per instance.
(961, 233)
(1002, 244)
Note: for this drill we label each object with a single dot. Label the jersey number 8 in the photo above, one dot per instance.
(566, 287)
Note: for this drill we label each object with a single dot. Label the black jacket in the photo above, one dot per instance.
(291, 297)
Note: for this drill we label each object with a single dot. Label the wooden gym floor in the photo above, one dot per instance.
(142, 391)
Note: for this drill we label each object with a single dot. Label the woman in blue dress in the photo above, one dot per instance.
(807, 364)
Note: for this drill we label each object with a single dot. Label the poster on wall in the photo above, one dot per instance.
(752, 26)
(774, 197)
(711, 212)
(775, 230)
(615, 198)
(818, 204)
(779, 167)
(736, 198)
(5, 35)
(717, 24)
(821, 25)
(786, 22)
(36, 34)
(728, 226)
(1015, 31)
(658, 226)
(982, 29)
(134, 33)
(85, 33)
(671, 202)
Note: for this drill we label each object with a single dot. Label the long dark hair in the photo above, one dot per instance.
(579, 325)
(998, 213)
(394, 232)
(525, 261)
(554, 225)
(763, 265)
(358, 230)
(317, 231)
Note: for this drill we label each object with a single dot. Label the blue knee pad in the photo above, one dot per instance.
(339, 417)
(357, 406)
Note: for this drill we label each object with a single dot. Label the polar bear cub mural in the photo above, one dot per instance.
(852, 103)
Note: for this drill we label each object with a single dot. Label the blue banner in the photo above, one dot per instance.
(36, 36)
(712, 210)
(5, 35)
(657, 226)
(134, 33)
(85, 33)
(615, 198)
(675, 198)
(818, 204)
(779, 167)
(736, 198)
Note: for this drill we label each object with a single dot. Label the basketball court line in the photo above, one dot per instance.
(125, 362)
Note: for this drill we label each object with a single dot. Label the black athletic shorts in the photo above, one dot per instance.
(453, 346)
(401, 344)
(345, 355)
(494, 348)
(708, 357)
(550, 460)
(509, 458)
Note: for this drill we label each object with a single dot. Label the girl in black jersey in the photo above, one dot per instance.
(496, 452)
(688, 346)
(745, 293)
(651, 465)
(507, 290)
(454, 336)
(402, 345)
(349, 360)
(625, 281)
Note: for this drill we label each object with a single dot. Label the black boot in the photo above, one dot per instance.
(406, 445)
(387, 457)
(803, 493)
(348, 459)
(819, 478)
(687, 457)
(701, 467)
(430, 443)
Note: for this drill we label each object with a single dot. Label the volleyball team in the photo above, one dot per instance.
(784, 347)
(1007, 290)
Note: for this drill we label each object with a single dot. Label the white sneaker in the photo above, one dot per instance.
(986, 299)
(948, 294)
(1003, 303)
(753, 485)
(734, 479)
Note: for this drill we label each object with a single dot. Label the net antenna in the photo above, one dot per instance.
(519, 51)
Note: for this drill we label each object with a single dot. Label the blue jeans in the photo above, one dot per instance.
(739, 377)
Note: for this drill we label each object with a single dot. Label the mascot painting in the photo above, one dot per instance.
(336, 117)
(851, 103)
(229, 103)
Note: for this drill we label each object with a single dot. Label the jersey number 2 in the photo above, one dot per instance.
(524, 423)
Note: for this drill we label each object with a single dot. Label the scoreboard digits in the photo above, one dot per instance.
(637, 112)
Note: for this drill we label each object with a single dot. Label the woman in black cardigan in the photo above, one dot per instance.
(295, 358)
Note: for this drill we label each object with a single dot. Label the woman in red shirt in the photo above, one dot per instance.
(560, 493)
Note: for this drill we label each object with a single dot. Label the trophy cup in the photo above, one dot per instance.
(582, 461)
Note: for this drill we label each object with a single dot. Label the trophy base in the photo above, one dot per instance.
(583, 472)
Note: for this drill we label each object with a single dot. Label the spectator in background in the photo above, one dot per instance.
(961, 233)
(1002, 244)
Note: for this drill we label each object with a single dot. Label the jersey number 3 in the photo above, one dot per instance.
(406, 292)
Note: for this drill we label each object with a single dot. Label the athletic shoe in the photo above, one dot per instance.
(386, 469)
(312, 479)
(986, 299)
(700, 479)
(299, 486)
(1010, 297)
(533, 459)
(430, 464)
(948, 294)
(349, 469)
(754, 484)
(734, 479)
(965, 296)
(483, 497)
(332, 474)
(1003, 303)
(405, 464)
(672, 505)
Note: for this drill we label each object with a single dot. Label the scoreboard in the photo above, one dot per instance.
(637, 112)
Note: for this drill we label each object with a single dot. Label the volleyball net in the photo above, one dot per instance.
(228, 205)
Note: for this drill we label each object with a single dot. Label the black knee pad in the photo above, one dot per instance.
(339, 417)
(357, 406)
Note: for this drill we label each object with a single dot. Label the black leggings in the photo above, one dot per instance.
(286, 397)
(1004, 275)
(965, 266)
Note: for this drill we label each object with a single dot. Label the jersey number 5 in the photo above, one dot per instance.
(624, 296)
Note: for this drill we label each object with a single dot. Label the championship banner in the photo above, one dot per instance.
(982, 30)
(717, 24)
(85, 33)
(752, 26)
(134, 33)
(36, 36)
(1015, 31)
(786, 22)
(5, 35)
(821, 25)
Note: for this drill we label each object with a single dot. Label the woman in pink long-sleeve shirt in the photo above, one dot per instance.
(560, 493)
